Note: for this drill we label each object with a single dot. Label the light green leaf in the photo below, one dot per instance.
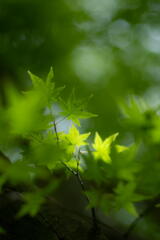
(50, 76)
(49, 93)
(121, 148)
(103, 148)
(36, 81)
(75, 138)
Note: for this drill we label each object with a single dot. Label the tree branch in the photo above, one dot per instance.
(93, 212)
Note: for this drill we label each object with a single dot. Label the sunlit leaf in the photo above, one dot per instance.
(25, 113)
(103, 148)
(121, 148)
(75, 138)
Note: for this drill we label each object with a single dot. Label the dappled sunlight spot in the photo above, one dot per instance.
(154, 71)
(120, 34)
(91, 63)
(14, 154)
(100, 10)
(151, 96)
(150, 38)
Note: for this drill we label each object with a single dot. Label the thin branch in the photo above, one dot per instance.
(69, 168)
(93, 212)
(55, 129)
(63, 118)
(78, 176)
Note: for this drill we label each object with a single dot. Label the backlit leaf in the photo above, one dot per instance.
(103, 148)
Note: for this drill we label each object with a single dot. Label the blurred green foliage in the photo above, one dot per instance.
(114, 173)
(106, 48)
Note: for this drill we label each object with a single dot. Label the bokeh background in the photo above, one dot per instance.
(108, 48)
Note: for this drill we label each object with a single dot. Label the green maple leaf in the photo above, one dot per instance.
(25, 112)
(103, 148)
(49, 93)
(74, 109)
(75, 138)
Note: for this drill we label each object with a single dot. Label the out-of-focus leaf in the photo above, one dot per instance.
(33, 201)
(131, 209)
(26, 113)
(121, 148)
(50, 76)
(2, 230)
(36, 81)
(126, 196)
